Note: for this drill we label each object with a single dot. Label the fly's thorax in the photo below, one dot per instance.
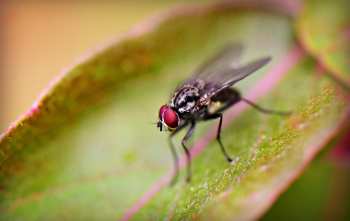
(185, 99)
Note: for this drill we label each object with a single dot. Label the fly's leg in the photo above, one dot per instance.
(231, 96)
(265, 110)
(228, 97)
(218, 134)
(174, 154)
(187, 152)
(176, 161)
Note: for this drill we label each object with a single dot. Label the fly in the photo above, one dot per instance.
(205, 96)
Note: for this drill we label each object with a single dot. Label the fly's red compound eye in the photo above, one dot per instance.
(162, 110)
(169, 116)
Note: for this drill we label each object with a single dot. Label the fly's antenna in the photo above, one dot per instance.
(265, 110)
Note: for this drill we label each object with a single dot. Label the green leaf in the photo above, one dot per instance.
(324, 29)
(322, 192)
(87, 149)
(309, 197)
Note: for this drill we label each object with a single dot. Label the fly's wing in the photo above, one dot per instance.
(228, 56)
(230, 76)
(222, 70)
(218, 63)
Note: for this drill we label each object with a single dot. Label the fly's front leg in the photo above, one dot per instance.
(174, 154)
(218, 134)
(187, 152)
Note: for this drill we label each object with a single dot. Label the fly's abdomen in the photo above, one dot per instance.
(224, 99)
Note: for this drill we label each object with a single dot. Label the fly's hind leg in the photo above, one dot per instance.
(227, 97)
(265, 110)
(218, 134)
(230, 96)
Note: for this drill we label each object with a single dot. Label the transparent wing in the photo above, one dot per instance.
(230, 76)
(227, 57)
(222, 70)
(220, 62)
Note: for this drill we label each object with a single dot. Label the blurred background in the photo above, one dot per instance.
(39, 39)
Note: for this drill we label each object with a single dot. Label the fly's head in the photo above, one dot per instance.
(168, 118)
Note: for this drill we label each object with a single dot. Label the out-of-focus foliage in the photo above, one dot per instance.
(324, 29)
(321, 193)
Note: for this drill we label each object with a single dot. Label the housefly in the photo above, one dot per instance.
(205, 96)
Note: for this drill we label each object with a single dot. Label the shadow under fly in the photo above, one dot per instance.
(204, 96)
